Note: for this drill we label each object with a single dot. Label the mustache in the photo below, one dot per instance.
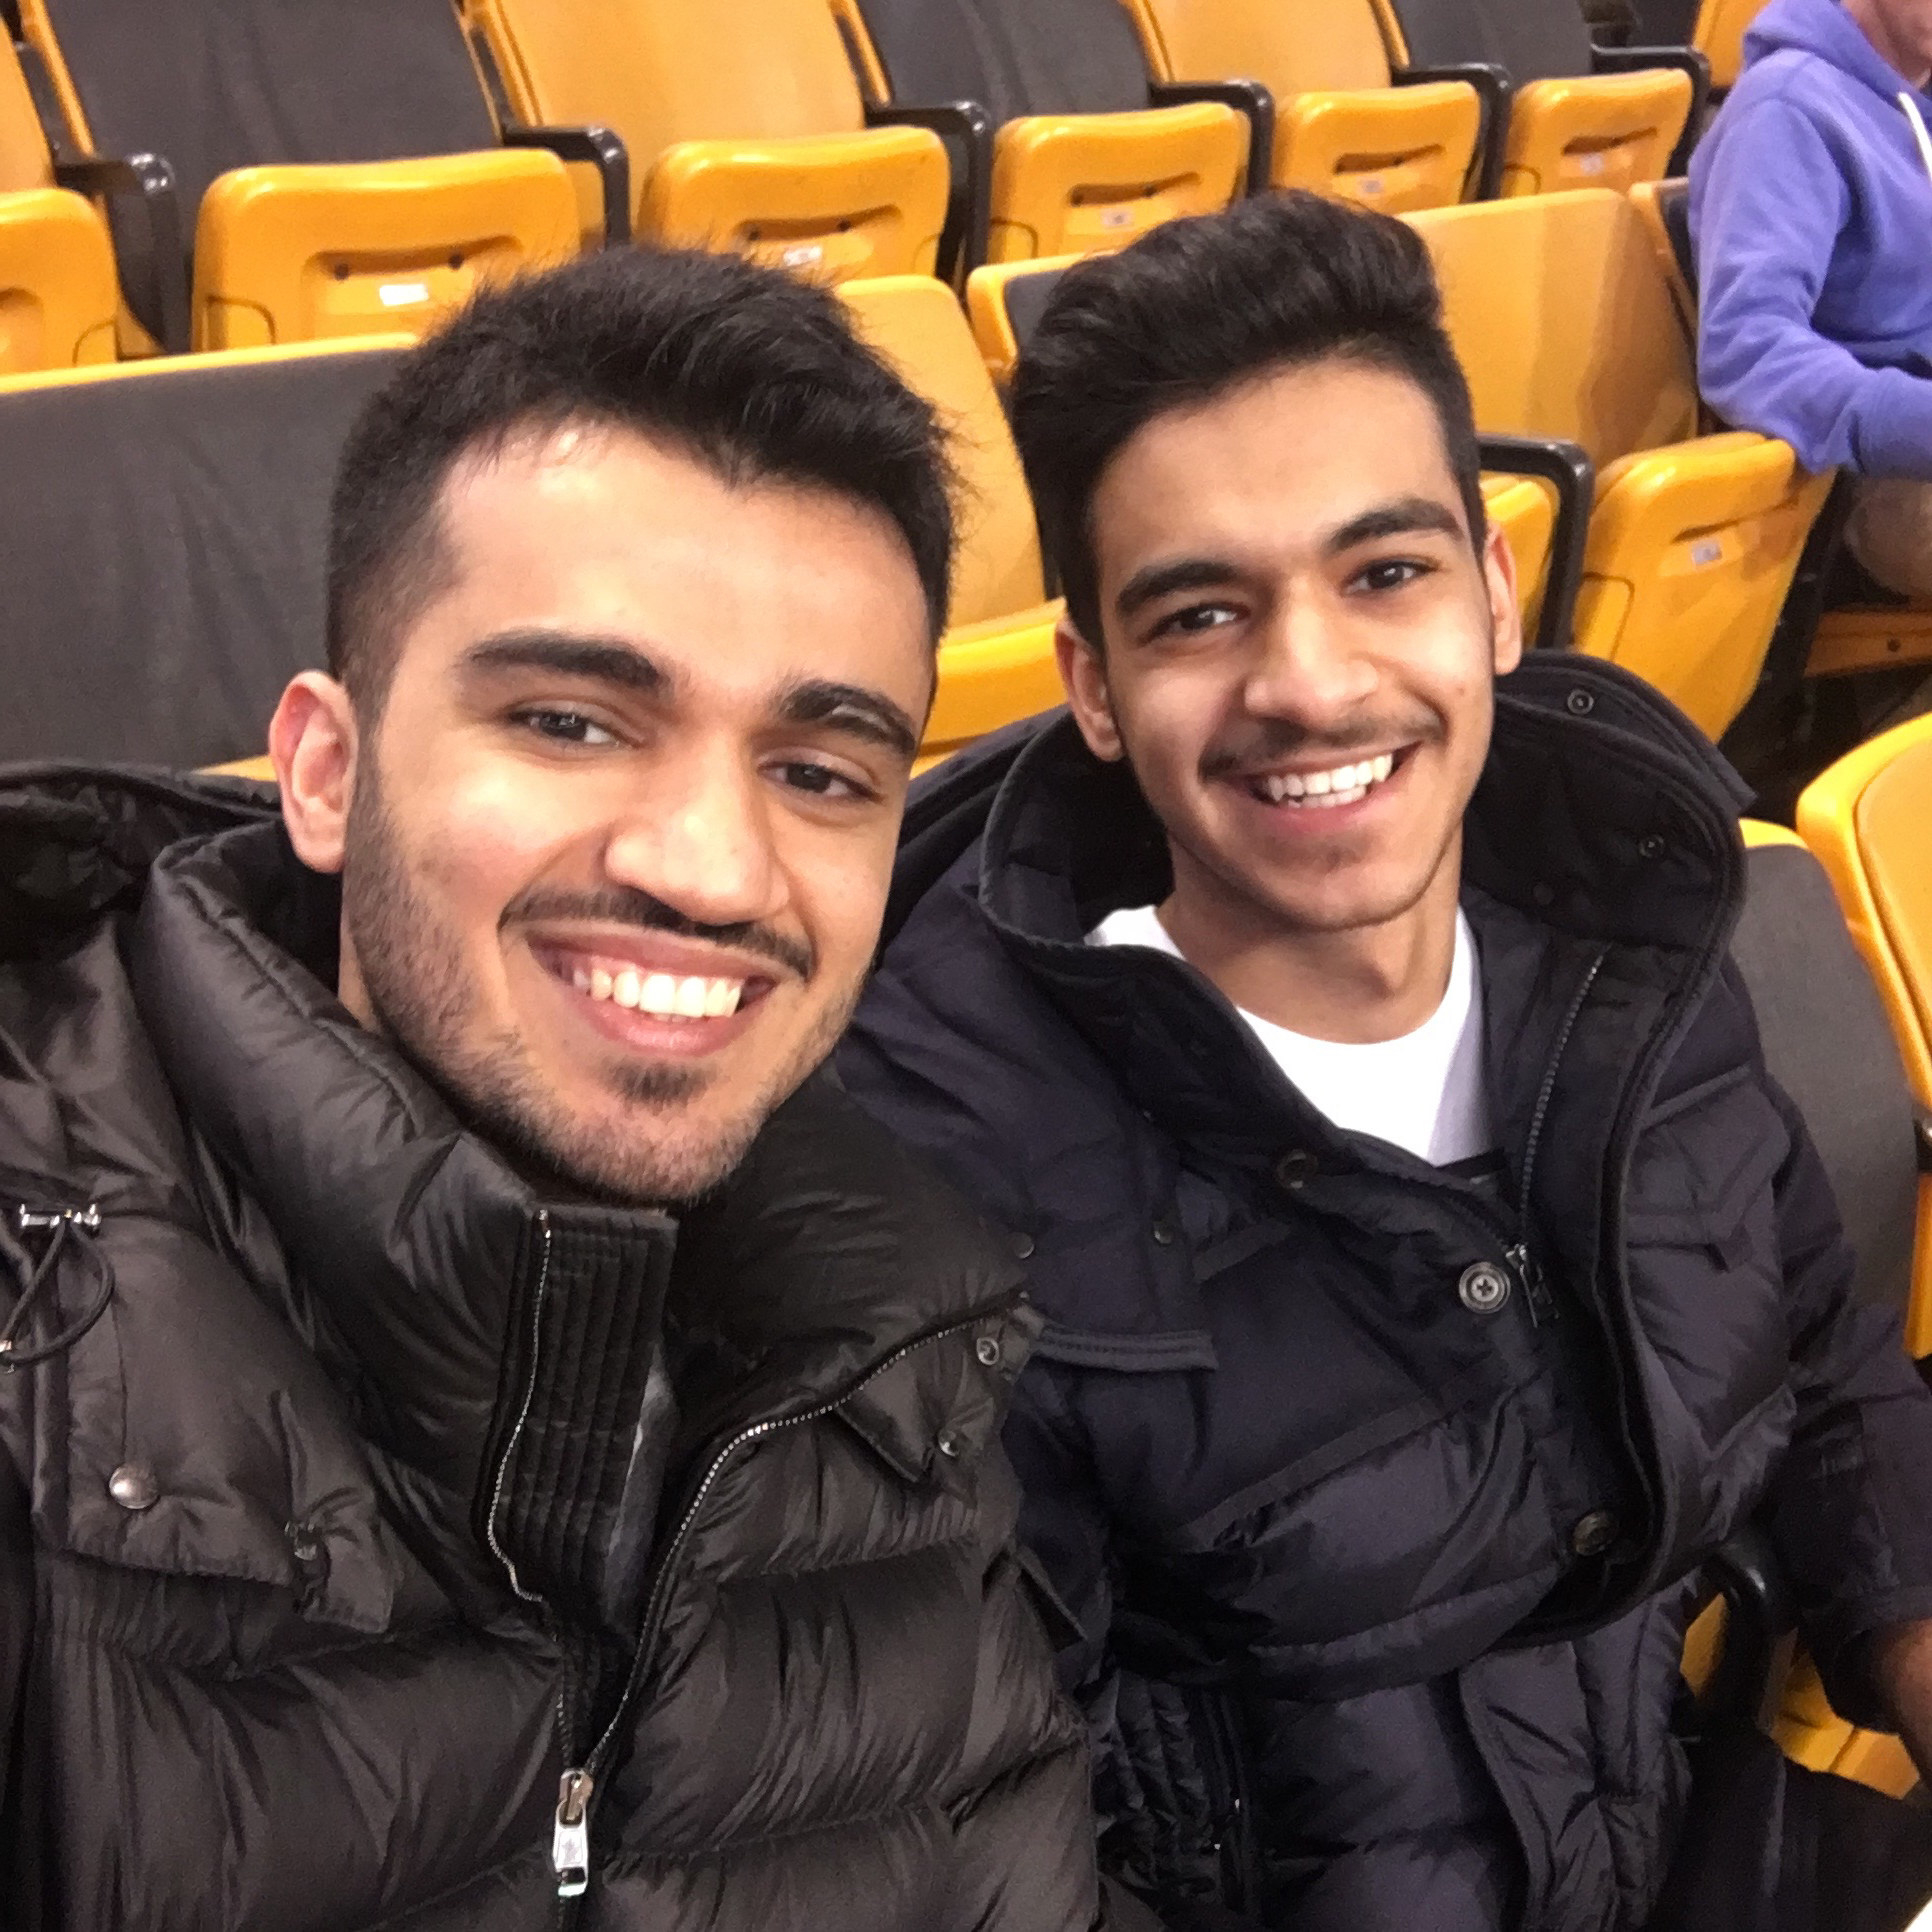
(1266, 740)
(629, 906)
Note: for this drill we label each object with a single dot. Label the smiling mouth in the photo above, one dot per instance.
(1346, 784)
(675, 998)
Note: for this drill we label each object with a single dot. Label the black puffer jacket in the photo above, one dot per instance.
(367, 1507)
(1375, 1492)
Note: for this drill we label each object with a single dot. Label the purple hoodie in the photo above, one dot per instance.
(1811, 215)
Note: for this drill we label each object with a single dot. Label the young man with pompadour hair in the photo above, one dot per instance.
(490, 1438)
(1335, 1009)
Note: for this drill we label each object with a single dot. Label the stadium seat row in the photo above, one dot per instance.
(259, 173)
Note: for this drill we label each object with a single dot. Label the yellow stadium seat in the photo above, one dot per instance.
(1347, 121)
(1089, 149)
(343, 167)
(996, 662)
(58, 292)
(1869, 819)
(1828, 1042)
(747, 130)
(1564, 318)
(1580, 116)
(1719, 36)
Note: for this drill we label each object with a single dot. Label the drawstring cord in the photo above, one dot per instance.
(63, 1228)
(1919, 133)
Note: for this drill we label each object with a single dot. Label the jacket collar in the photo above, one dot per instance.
(483, 1318)
(1603, 817)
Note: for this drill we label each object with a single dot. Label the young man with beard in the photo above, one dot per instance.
(1338, 1017)
(489, 1437)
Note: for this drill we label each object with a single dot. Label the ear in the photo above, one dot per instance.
(1505, 614)
(313, 742)
(1084, 672)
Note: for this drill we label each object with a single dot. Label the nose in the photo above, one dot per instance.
(1306, 668)
(698, 836)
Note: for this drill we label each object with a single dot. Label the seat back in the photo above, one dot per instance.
(24, 160)
(916, 323)
(221, 84)
(1014, 57)
(1563, 318)
(1828, 1045)
(665, 71)
(1867, 817)
(1719, 36)
(1310, 46)
(1530, 40)
(166, 576)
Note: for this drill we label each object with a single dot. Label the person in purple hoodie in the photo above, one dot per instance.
(1811, 218)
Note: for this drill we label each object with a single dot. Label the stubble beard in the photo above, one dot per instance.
(424, 1001)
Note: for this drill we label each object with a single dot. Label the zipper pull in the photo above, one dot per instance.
(570, 1842)
(1536, 1290)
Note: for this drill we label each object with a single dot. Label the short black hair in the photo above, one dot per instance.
(1200, 305)
(753, 372)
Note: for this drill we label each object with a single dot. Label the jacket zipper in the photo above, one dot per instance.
(570, 1852)
(1221, 1767)
(1528, 1270)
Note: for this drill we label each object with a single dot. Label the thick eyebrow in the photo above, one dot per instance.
(850, 708)
(1154, 581)
(597, 660)
(1407, 516)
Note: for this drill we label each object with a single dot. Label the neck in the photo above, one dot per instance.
(1355, 985)
(1900, 58)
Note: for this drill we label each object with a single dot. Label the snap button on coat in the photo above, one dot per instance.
(134, 1487)
(1484, 1288)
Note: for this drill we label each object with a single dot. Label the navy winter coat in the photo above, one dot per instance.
(1376, 1496)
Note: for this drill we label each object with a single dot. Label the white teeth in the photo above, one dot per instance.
(661, 994)
(1345, 785)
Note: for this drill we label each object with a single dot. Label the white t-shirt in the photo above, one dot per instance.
(1424, 1092)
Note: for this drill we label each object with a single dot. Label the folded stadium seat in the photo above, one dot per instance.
(1580, 116)
(1347, 120)
(1006, 300)
(339, 159)
(1089, 150)
(747, 130)
(1813, 641)
(165, 578)
(1828, 1043)
(1719, 37)
(1564, 318)
(996, 662)
(58, 291)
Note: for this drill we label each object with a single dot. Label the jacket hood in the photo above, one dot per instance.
(1824, 30)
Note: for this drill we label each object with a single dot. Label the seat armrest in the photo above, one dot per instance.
(1758, 1635)
(967, 130)
(1686, 60)
(1247, 97)
(1569, 470)
(161, 304)
(604, 149)
(1492, 85)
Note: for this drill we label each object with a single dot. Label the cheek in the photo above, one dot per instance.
(484, 836)
(838, 883)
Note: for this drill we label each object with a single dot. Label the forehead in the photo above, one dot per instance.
(1276, 462)
(598, 529)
